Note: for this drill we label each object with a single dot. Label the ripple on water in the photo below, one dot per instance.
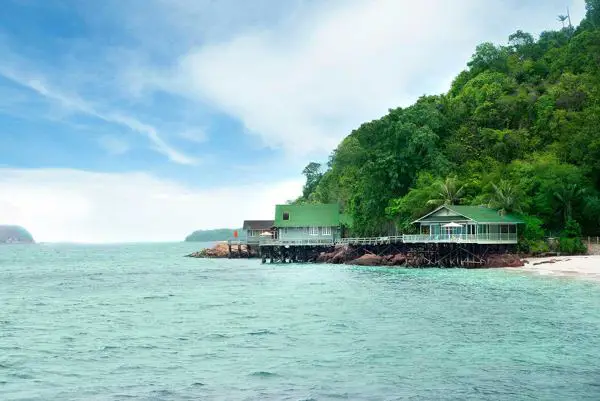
(263, 332)
(265, 374)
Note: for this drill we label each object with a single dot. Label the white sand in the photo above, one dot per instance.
(586, 267)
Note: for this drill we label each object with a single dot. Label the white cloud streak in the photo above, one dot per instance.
(76, 104)
(77, 206)
(305, 84)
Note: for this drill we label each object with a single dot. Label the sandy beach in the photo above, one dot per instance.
(583, 267)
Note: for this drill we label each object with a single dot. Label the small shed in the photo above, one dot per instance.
(476, 224)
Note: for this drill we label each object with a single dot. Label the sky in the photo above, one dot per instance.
(144, 120)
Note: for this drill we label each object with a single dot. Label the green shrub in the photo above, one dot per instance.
(538, 247)
(572, 229)
(572, 246)
(532, 236)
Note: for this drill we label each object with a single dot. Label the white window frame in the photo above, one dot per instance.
(326, 231)
(313, 230)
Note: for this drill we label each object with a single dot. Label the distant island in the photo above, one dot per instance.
(15, 235)
(220, 234)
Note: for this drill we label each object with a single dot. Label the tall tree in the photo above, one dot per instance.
(562, 18)
(506, 197)
(450, 192)
(567, 197)
(313, 175)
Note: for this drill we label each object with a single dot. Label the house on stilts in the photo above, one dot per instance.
(466, 224)
(450, 235)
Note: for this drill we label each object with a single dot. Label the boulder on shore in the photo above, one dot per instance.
(508, 260)
(398, 260)
(368, 260)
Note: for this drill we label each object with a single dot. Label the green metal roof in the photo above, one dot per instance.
(479, 214)
(319, 215)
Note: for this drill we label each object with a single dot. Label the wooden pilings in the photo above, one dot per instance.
(417, 255)
(292, 254)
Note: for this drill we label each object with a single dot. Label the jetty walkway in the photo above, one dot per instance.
(488, 238)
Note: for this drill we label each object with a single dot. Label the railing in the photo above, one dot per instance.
(463, 238)
(297, 242)
(489, 238)
(591, 240)
(371, 240)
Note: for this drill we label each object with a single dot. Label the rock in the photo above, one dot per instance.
(323, 257)
(398, 260)
(368, 260)
(507, 260)
(219, 250)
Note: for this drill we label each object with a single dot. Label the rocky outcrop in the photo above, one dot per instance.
(506, 260)
(219, 250)
(15, 235)
(369, 259)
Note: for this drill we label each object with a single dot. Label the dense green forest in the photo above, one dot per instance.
(220, 234)
(519, 130)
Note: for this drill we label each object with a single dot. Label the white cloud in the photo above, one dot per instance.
(74, 103)
(78, 206)
(306, 83)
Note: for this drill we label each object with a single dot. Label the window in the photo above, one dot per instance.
(286, 215)
(326, 231)
(313, 231)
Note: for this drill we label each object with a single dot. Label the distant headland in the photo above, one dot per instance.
(220, 234)
(15, 235)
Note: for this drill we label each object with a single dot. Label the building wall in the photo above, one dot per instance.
(307, 233)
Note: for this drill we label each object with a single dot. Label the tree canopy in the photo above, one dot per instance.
(519, 129)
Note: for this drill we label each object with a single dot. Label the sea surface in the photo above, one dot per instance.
(141, 322)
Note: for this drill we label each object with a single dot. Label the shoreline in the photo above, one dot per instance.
(585, 267)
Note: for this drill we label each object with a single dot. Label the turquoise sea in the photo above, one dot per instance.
(141, 322)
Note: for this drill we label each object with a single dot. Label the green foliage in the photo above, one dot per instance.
(532, 236)
(518, 130)
(572, 229)
(449, 192)
(536, 247)
(506, 197)
(572, 246)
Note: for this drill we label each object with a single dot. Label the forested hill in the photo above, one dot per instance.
(14, 234)
(220, 234)
(519, 129)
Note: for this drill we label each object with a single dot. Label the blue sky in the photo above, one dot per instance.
(205, 111)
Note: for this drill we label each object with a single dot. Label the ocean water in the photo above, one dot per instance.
(141, 322)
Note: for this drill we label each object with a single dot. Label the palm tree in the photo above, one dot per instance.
(562, 18)
(567, 196)
(505, 198)
(450, 192)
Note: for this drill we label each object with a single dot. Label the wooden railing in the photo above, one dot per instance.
(463, 238)
(298, 242)
(371, 240)
(490, 238)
